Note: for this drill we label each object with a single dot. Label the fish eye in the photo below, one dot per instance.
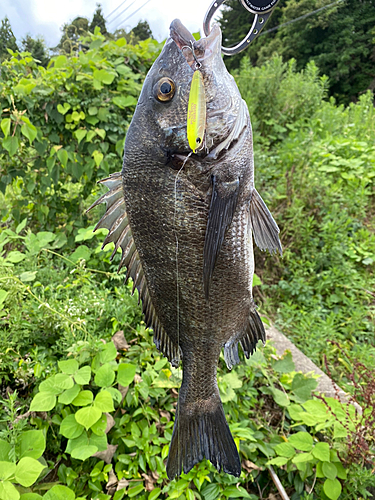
(164, 90)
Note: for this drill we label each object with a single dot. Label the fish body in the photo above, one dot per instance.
(184, 223)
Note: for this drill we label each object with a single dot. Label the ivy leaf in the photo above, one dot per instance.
(84, 398)
(70, 428)
(69, 366)
(104, 76)
(284, 365)
(59, 492)
(63, 381)
(28, 470)
(126, 373)
(32, 444)
(105, 376)
(84, 452)
(98, 157)
(8, 491)
(88, 416)
(7, 470)
(83, 376)
(43, 401)
(104, 401)
(69, 395)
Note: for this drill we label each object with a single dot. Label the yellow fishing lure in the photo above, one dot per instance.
(196, 119)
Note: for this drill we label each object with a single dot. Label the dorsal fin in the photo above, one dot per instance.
(116, 221)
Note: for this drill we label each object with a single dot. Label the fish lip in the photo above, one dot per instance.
(200, 50)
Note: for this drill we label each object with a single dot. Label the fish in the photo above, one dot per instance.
(185, 222)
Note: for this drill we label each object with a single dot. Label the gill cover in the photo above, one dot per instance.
(196, 119)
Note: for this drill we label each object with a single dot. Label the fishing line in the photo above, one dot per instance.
(178, 297)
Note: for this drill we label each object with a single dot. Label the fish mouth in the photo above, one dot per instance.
(196, 51)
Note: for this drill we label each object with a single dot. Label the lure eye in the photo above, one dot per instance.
(165, 89)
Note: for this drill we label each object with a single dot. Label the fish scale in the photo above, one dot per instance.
(183, 223)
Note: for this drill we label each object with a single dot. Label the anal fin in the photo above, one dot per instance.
(265, 229)
(248, 339)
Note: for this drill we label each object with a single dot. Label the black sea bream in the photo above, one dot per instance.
(184, 223)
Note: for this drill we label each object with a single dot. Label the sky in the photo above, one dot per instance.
(46, 17)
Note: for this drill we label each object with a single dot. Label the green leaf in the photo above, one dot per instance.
(5, 448)
(236, 492)
(69, 366)
(84, 452)
(329, 470)
(278, 461)
(32, 444)
(88, 416)
(341, 472)
(256, 280)
(108, 353)
(60, 62)
(31, 496)
(59, 492)
(29, 131)
(11, 145)
(15, 257)
(5, 126)
(62, 155)
(69, 395)
(154, 494)
(104, 401)
(63, 381)
(285, 450)
(81, 252)
(80, 134)
(284, 365)
(124, 101)
(7, 470)
(126, 373)
(105, 376)
(99, 441)
(302, 386)
(132, 492)
(321, 452)
(63, 109)
(100, 426)
(3, 296)
(8, 491)
(104, 76)
(28, 276)
(280, 397)
(301, 441)
(98, 157)
(302, 457)
(28, 470)
(339, 431)
(211, 491)
(70, 428)
(48, 386)
(332, 488)
(43, 401)
(21, 225)
(83, 376)
(84, 398)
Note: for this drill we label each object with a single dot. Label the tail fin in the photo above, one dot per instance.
(202, 432)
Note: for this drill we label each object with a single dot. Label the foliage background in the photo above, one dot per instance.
(62, 129)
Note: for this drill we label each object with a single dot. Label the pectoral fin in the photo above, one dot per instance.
(222, 208)
(265, 229)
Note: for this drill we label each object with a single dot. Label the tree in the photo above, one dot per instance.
(338, 38)
(98, 20)
(142, 31)
(71, 34)
(7, 39)
(37, 48)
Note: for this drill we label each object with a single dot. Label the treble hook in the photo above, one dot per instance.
(191, 47)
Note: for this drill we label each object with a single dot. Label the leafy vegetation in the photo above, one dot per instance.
(87, 401)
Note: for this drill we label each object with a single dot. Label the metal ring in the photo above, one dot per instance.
(257, 26)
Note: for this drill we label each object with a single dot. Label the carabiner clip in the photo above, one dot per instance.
(262, 14)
